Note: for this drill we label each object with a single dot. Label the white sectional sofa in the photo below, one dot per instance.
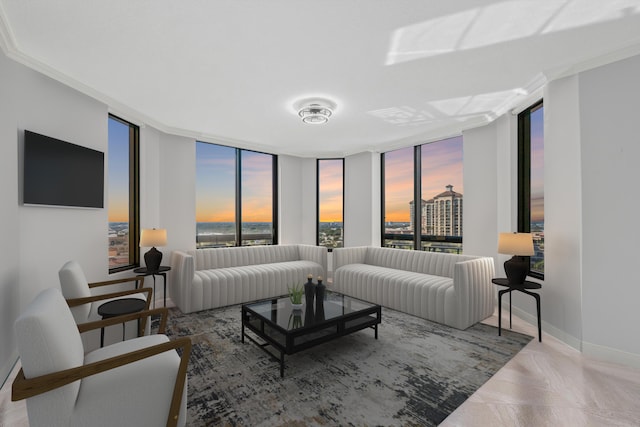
(455, 290)
(210, 278)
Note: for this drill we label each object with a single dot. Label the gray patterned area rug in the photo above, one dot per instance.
(416, 373)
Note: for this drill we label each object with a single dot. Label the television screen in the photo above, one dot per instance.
(59, 173)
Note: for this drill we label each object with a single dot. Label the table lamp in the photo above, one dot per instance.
(151, 237)
(520, 245)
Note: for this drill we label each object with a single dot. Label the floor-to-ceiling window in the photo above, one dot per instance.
(123, 191)
(235, 196)
(398, 213)
(330, 191)
(432, 174)
(531, 182)
(442, 195)
(257, 187)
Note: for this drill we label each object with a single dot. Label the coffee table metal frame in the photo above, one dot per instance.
(316, 329)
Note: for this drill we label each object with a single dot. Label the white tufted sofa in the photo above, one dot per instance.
(455, 290)
(210, 278)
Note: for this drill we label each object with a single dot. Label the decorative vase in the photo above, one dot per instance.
(309, 316)
(319, 314)
(309, 291)
(320, 289)
(297, 307)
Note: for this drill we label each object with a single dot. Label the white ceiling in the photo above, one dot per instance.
(400, 71)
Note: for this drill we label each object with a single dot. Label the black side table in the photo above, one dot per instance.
(161, 271)
(118, 307)
(522, 288)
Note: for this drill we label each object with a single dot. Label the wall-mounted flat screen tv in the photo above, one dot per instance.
(58, 173)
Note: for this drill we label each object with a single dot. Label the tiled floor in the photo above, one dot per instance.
(546, 384)
(551, 384)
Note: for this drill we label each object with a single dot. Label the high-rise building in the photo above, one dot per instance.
(442, 215)
(412, 214)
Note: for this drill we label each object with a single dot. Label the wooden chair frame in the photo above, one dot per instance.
(73, 302)
(23, 388)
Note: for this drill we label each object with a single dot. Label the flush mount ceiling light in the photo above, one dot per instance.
(315, 111)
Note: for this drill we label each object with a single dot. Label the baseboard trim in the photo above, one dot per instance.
(609, 354)
(595, 351)
(561, 335)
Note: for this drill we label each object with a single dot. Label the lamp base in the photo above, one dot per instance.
(516, 269)
(152, 259)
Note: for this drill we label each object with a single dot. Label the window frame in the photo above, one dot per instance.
(318, 199)
(134, 196)
(418, 238)
(238, 194)
(524, 173)
(274, 196)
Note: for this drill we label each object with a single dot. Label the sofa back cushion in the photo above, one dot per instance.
(206, 259)
(436, 263)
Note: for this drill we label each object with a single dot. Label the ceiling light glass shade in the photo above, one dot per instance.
(315, 114)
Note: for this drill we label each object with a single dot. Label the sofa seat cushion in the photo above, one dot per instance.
(235, 285)
(420, 294)
(99, 395)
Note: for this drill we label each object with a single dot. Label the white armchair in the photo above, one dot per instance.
(84, 299)
(139, 382)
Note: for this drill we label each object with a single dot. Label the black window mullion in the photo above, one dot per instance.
(417, 197)
(238, 197)
(274, 200)
(524, 174)
(382, 200)
(134, 196)
(317, 202)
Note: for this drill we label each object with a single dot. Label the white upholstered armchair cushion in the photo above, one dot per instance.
(74, 286)
(136, 392)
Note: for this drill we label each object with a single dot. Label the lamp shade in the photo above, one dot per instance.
(153, 237)
(520, 244)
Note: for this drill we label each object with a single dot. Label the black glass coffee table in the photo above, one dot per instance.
(289, 331)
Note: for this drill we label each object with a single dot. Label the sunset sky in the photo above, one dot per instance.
(330, 194)
(118, 175)
(441, 166)
(215, 179)
(537, 165)
(215, 184)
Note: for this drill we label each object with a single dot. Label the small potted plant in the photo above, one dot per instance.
(295, 295)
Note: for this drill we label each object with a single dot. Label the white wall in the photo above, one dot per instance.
(296, 200)
(590, 291)
(480, 227)
(177, 196)
(610, 149)
(9, 216)
(41, 239)
(362, 199)
(562, 299)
